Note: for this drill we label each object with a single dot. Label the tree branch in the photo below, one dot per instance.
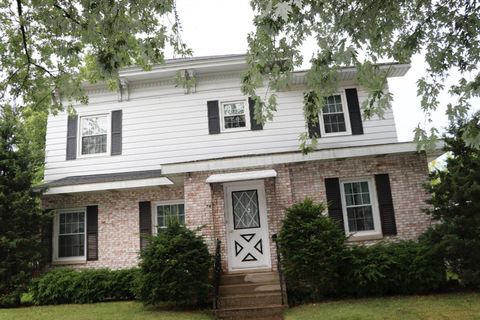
(67, 14)
(22, 29)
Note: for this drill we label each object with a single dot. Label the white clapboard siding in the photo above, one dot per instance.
(162, 125)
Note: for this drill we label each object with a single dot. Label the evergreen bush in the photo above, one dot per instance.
(312, 246)
(174, 267)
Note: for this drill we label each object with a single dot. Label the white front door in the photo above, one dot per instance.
(247, 225)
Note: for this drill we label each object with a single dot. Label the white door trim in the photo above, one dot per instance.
(262, 204)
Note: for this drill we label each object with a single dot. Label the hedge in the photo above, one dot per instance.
(63, 285)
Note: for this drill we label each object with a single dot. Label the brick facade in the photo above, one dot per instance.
(118, 221)
(204, 203)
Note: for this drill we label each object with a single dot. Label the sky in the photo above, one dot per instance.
(217, 27)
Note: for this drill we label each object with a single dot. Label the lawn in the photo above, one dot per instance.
(459, 306)
(99, 311)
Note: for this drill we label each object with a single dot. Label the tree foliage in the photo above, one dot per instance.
(49, 48)
(455, 192)
(20, 216)
(362, 33)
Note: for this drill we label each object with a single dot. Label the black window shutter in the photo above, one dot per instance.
(254, 124)
(47, 239)
(213, 117)
(145, 210)
(116, 132)
(92, 233)
(314, 128)
(385, 203)
(354, 111)
(334, 199)
(72, 137)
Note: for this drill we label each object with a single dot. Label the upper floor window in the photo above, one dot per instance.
(70, 240)
(166, 212)
(234, 115)
(334, 119)
(93, 134)
(360, 211)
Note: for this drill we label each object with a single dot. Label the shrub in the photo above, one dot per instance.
(386, 268)
(319, 264)
(64, 285)
(312, 246)
(174, 267)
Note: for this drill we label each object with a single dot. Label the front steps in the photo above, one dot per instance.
(252, 295)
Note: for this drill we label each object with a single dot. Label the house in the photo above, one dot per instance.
(132, 158)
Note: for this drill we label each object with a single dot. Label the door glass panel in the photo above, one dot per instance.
(245, 209)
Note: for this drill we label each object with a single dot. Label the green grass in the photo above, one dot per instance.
(99, 311)
(459, 306)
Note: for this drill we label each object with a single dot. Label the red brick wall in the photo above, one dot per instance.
(118, 221)
(204, 203)
(407, 172)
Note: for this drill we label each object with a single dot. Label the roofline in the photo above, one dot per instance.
(266, 160)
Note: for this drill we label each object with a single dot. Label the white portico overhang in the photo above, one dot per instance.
(266, 160)
(241, 176)
(103, 182)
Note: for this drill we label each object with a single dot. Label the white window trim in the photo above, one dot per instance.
(247, 116)
(346, 115)
(376, 233)
(56, 232)
(79, 135)
(154, 211)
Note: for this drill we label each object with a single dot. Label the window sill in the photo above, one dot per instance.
(68, 262)
(338, 134)
(365, 237)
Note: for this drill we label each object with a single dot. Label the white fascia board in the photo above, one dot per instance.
(241, 176)
(290, 157)
(127, 184)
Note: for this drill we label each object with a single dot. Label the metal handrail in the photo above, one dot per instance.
(279, 266)
(217, 273)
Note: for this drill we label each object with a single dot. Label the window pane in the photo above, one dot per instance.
(333, 104)
(334, 122)
(71, 245)
(237, 108)
(94, 144)
(245, 209)
(360, 218)
(234, 121)
(167, 213)
(93, 126)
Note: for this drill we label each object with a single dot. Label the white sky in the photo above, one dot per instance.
(216, 27)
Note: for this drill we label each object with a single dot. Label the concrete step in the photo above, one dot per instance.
(265, 312)
(253, 277)
(250, 300)
(245, 288)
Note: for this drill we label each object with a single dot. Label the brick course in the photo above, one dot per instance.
(204, 203)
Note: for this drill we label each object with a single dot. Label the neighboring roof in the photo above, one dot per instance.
(101, 178)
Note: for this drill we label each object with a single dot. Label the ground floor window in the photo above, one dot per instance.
(70, 240)
(360, 210)
(169, 211)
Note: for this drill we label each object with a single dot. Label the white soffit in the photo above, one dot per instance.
(127, 184)
(241, 176)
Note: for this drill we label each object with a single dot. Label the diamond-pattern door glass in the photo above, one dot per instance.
(245, 209)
